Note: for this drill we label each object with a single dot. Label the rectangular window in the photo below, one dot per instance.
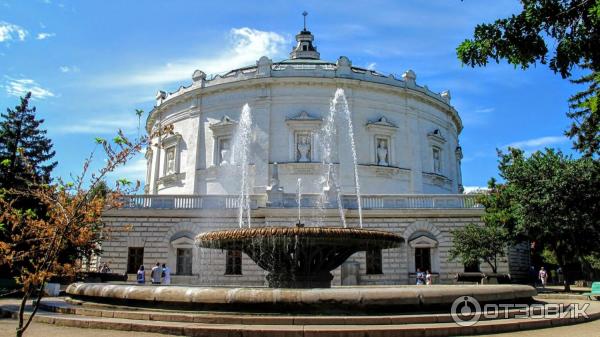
(423, 259)
(233, 263)
(223, 151)
(184, 261)
(135, 258)
(374, 261)
(437, 160)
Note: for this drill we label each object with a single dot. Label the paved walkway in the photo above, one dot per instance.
(591, 329)
(7, 328)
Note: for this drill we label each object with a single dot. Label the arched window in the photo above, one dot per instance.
(374, 261)
(233, 262)
(182, 244)
(423, 258)
(184, 261)
(424, 248)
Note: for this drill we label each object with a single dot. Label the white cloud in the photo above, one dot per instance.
(133, 170)
(537, 143)
(371, 66)
(43, 36)
(477, 117)
(475, 189)
(20, 87)
(9, 31)
(247, 46)
(69, 69)
(101, 126)
(485, 110)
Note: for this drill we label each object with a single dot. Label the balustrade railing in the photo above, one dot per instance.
(392, 201)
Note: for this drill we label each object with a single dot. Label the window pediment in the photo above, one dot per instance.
(382, 126)
(436, 136)
(423, 241)
(303, 120)
(183, 242)
(225, 126)
(171, 140)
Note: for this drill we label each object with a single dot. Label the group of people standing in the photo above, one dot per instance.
(424, 277)
(158, 275)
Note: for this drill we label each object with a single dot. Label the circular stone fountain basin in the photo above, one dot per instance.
(299, 257)
(351, 300)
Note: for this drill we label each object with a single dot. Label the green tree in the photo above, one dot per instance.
(487, 243)
(556, 202)
(21, 137)
(572, 29)
(474, 243)
(585, 114)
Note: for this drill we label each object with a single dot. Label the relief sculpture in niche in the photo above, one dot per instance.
(382, 153)
(303, 149)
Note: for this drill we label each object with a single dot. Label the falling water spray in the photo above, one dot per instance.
(239, 160)
(340, 98)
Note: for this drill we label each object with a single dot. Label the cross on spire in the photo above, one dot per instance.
(305, 13)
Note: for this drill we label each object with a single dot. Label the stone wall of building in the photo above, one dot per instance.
(160, 232)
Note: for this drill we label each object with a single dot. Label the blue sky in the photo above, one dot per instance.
(90, 64)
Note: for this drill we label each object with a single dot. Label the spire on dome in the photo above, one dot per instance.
(304, 48)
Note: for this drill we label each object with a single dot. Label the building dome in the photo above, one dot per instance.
(406, 136)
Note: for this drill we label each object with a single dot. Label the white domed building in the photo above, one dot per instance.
(406, 141)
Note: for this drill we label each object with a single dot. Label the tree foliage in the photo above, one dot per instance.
(585, 112)
(36, 244)
(571, 28)
(22, 140)
(557, 202)
(474, 243)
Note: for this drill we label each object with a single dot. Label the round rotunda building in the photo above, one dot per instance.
(407, 153)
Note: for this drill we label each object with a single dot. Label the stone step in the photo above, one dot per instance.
(304, 330)
(108, 311)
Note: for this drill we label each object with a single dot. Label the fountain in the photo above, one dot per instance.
(239, 161)
(299, 200)
(299, 257)
(340, 99)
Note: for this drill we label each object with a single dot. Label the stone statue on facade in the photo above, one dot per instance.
(171, 161)
(303, 150)
(382, 153)
(225, 153)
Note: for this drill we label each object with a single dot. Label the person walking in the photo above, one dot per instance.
(166, 274)
(543, 275)
(141, 275)
(428, 278)
(156, 273)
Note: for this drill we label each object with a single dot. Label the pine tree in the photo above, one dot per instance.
(585, 112)
(23, 143)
